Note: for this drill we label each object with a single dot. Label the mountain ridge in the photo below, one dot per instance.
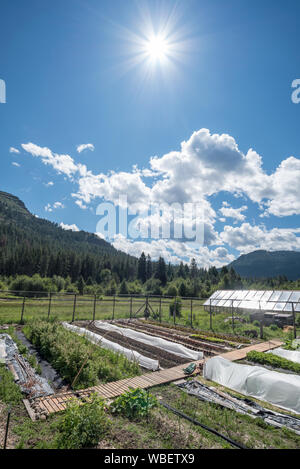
(265, 264)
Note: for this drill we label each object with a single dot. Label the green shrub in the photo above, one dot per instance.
(133, 404)
(82, 424)
(175, 305)
(273, 360)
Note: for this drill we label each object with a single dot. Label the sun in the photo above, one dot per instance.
(157, 48)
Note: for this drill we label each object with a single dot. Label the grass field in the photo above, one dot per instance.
(65, 307)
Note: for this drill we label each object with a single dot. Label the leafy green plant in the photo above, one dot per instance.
(133, 404)
(273, 360)
(82, 424)
(212, 339)
(175, 305)
(292, 344)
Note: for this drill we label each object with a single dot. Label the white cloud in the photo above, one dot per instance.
(63, 164)
(81, 204)
(56, 205)
(100, 235)
(247, 238)
(14, 150)
(286, 186)
(86, 146)
(174, 251)
(206, 164)
(49, 184)
(235, 213)
(69, 227)
(14, 163)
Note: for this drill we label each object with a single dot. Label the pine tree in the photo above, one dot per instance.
(81, 285)
(142, 268)
(161, 273)
(148, 267)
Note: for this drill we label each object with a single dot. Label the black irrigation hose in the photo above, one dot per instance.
(195, 422)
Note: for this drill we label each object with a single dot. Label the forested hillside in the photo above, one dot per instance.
(38, 255)
(30, 245)
(263, 264)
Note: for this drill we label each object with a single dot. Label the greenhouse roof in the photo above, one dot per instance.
(266, 300)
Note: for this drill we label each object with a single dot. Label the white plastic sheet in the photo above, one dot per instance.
(132, 355)
(292, 355)
(172, 347)
(2, 351)
(280, 389)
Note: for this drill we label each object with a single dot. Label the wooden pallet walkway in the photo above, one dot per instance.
(57, 403)
(235, 355)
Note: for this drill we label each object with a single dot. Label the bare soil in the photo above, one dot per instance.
(166, 359)
(175, 336)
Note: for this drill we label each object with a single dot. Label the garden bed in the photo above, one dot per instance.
(79, 362)
(273, 361)
(166, 359)
(175, 336)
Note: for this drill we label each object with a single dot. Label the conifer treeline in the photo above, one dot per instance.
(32, 246)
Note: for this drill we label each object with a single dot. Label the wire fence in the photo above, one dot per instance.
(188, 312)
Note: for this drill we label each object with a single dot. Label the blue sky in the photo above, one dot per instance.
(80, 73)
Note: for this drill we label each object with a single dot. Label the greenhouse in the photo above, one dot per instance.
(255, 300)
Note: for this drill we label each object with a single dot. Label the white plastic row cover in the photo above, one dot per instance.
(280, 389)
(292, 355)
(132, 355)
(171, 347)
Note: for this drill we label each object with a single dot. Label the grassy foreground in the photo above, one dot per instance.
(162, 429)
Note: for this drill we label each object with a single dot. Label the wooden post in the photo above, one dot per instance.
(131, 307)
(174, 311)
(23, 308)
(294, 322)
(146, 312)
(261, 329)
(49, 305)
(160, 309)
(191, 312)
(74, 308)
(114, 304)
(94, 310)
(261, 325)
(7, 425)
(232, 315)
(210, 315)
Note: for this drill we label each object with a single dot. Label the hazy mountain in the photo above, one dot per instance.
(262, 264)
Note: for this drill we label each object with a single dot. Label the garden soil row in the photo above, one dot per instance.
(166, 359)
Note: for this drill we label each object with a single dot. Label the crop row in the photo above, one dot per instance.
(273, 360)
(75, 358)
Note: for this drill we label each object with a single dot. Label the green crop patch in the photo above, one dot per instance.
(79, 362)
(273, 360)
